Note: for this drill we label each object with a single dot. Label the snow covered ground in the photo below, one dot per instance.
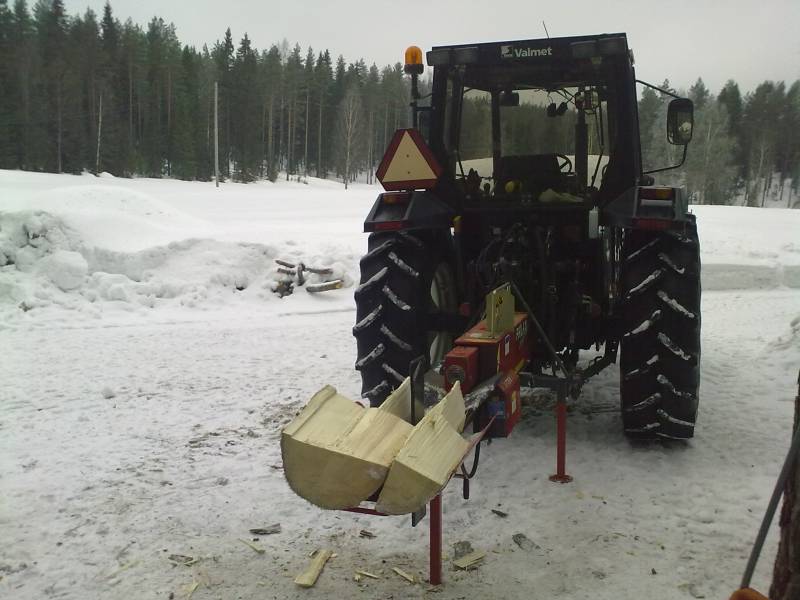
(148, 369)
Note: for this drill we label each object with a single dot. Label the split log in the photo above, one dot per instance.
(470, 560)
(336, 453)
(426, 462)
(398, 402)
(409, 578)
(325, 286)
(309, 577)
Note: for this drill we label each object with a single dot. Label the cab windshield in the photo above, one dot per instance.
(537, 131)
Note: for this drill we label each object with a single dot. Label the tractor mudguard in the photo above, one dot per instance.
(394, 211)
(648, 207)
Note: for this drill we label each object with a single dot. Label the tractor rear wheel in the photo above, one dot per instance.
(660, 343)
(405, 280)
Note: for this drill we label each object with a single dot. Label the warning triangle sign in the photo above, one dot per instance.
(408, 163)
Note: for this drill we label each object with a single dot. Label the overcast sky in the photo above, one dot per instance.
(747, 40)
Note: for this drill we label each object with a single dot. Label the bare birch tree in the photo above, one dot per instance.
(349, 125)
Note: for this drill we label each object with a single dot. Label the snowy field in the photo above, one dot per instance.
(148, 367)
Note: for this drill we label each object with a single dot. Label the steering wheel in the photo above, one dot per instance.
(567, 163)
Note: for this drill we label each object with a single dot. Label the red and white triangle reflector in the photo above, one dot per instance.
(408, 163)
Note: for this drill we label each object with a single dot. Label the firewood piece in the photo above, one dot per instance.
(284, 263)
(426, 462)
(320, 270)
(337, 453)
(309, 577)
(367, 574)
(398, 402)
(404, 575)
(315, 288)
(470, 560)
(192, 588)
(268, 530)
(252, 546)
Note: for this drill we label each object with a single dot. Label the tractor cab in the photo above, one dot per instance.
(540, 121)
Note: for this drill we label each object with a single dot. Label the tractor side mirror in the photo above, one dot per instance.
(509, 99)
(680, 121)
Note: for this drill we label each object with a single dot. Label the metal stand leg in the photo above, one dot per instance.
(561, 443)
(436, 541)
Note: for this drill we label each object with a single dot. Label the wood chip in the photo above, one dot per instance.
(500, 513)
(358, 578)
(309, 577)
(367, 574)
(124, 568)
(470, 560)
(182, 559)
(366, 534)
(269, 530)
(462, 549)
(521, 540)
(404, 575)
(251, 545)
(192, 589)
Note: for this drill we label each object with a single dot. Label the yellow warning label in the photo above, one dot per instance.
(408, 164)
(500, 310)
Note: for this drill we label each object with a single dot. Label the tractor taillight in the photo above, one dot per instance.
(389, 225)
(396, 198)
(656, 203)
(652, 224)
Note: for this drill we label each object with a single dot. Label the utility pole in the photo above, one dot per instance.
(305, 144)
(99, 131)
(216, 133)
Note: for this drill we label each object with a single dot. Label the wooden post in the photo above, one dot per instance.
(786, 576)
(216, 132)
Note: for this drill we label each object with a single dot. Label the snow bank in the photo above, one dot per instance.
(46, 265)
(784, 350)
(749, 248)
(66, 269)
